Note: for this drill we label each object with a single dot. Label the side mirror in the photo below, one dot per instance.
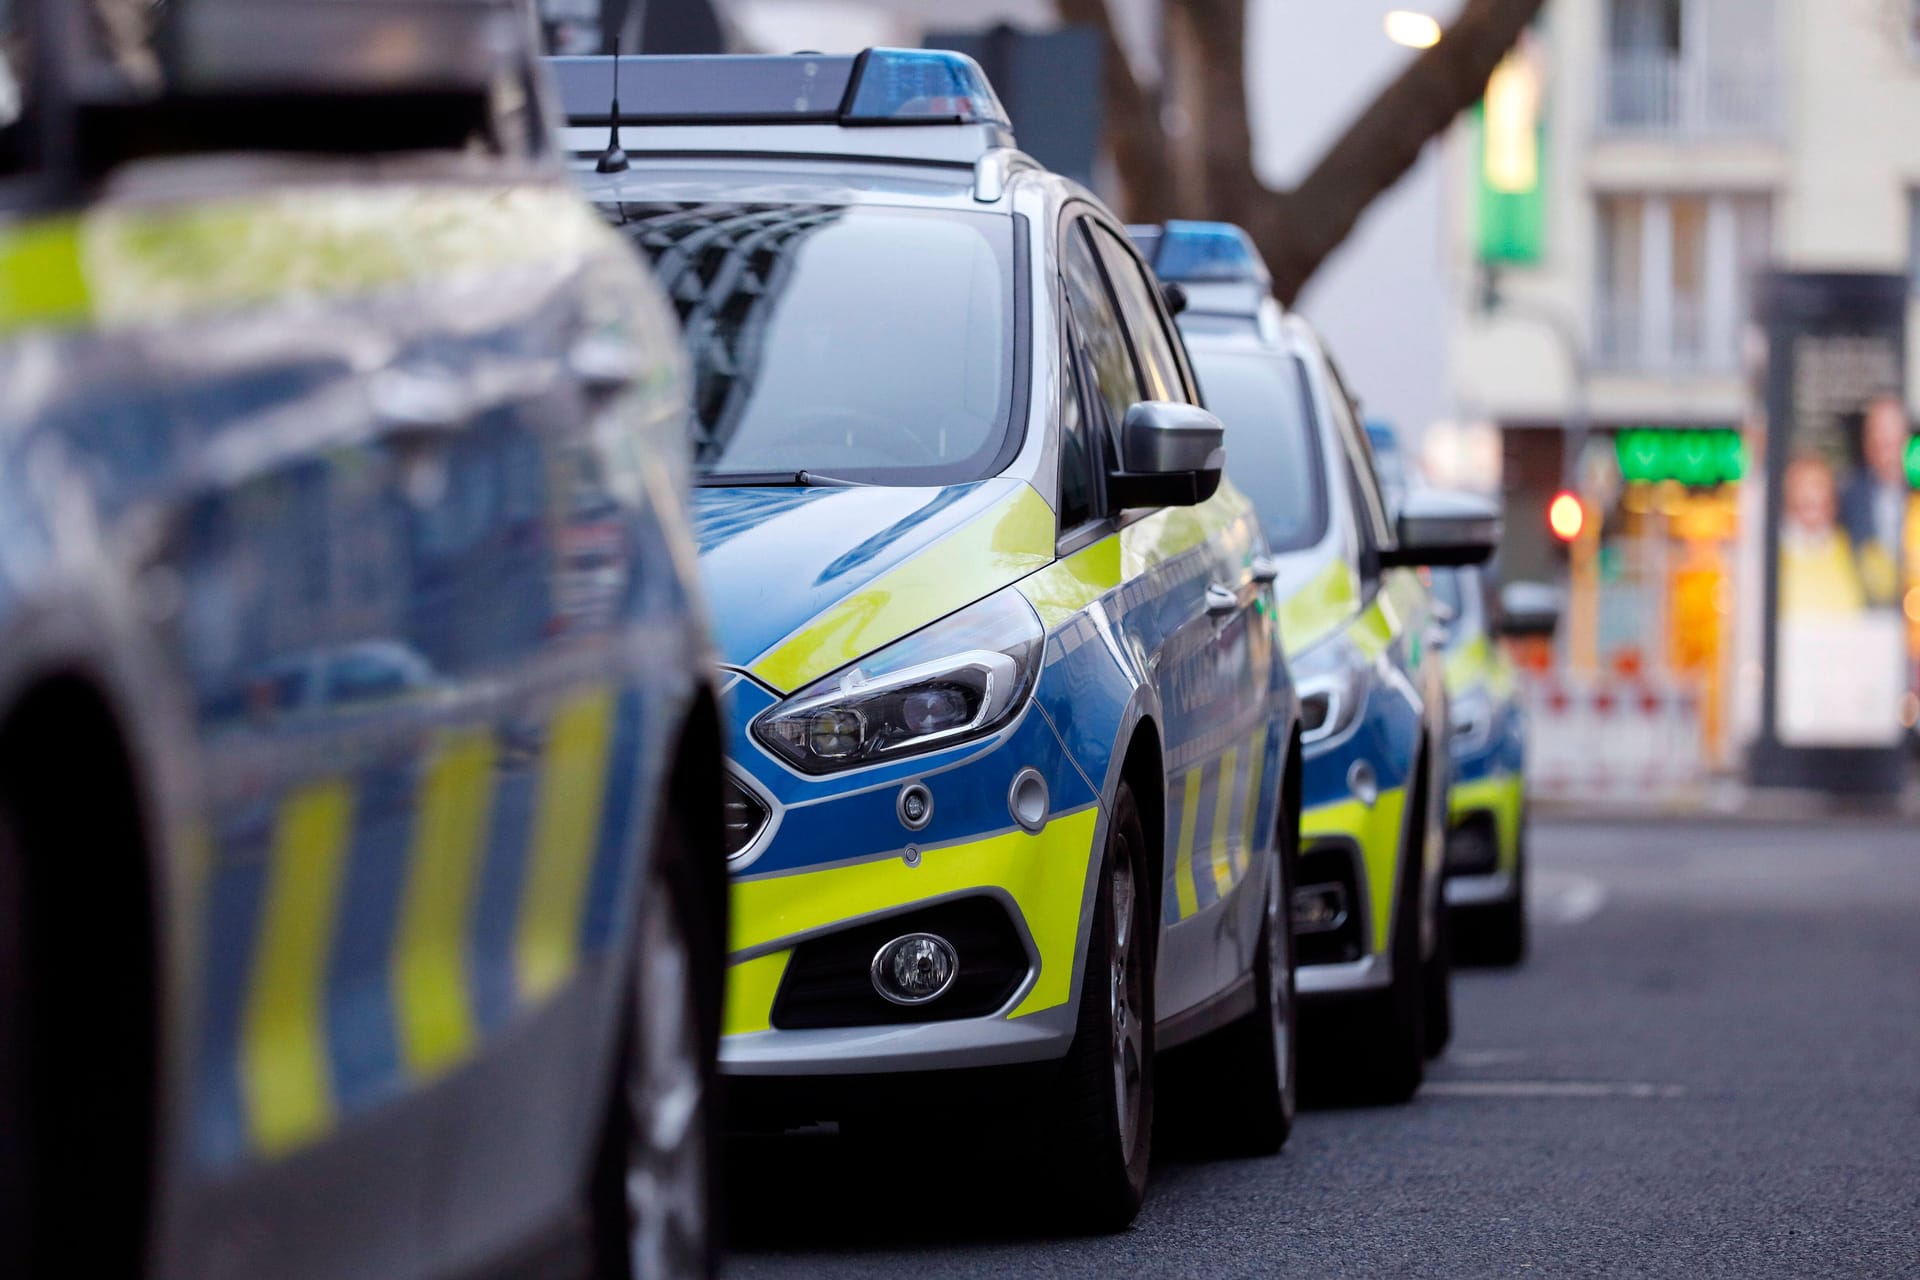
(1440, 529)
(1171, 455)
(1174, 295)
(1530, 609)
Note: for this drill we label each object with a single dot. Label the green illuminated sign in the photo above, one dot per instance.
(1696, 458)
(1913, 462)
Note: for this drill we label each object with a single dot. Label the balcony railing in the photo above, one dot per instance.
(1625, 340)
(1661, 96)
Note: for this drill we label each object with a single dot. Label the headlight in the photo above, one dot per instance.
(960, 678)
(1472, 717)
(1331, 680)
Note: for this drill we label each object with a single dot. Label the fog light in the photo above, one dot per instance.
(1319, 908)
(915, 968)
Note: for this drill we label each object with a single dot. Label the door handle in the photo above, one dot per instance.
(416, 408)
(1265, 569)
(603, 365)
(1221, 601)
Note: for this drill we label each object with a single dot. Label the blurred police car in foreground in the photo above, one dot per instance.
(1014, 769)
(361, 881)
(1358, 624)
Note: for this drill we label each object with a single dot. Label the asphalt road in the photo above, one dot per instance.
(1709, 1067)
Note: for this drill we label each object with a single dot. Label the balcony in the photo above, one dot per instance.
(1631, 337)
(1657, 95)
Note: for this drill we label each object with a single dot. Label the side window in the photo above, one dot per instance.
(1102, 337)
(1371, 506)
(1076, 441)
(1140, 305)
(15, 77)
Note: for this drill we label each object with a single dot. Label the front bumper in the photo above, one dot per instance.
(1490, 807)
(841, 859)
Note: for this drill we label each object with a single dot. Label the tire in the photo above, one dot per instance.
(1098, 1119)
(1437, 981)
(1248, 1072)
(16, 1108)
(656, 1183)
(1503, 930)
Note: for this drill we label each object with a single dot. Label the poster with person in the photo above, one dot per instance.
(1837, 437)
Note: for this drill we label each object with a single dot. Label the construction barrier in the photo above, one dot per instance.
(1613, 739)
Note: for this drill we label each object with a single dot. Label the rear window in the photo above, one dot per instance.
(1273, 451)
(864, 343)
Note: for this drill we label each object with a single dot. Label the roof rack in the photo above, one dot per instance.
(1216, 263)
(917, 105)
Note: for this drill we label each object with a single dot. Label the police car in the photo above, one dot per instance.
(1358, 625)
(1487, 814)
(1014, 769)
(361, 873)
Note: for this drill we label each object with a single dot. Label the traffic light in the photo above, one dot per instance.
(1566, 516)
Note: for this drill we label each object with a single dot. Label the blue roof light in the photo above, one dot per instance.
(931, 86)
(1207, 253)
(880, 86)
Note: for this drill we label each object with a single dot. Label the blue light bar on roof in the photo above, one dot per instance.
(1203, 253)
(878, 87)
(927, 86)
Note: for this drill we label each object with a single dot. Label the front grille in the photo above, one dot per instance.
(1333, 861)
(1472, 849)
(829, 981)
(744, 815)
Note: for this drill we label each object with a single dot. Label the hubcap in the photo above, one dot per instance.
(666, 1091)
(1124, 996)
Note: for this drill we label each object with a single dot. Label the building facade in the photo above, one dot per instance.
(1686, 147)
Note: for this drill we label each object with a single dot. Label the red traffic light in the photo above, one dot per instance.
(1566, 516)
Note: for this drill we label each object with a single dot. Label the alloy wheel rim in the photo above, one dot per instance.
(1129, 1038)
(667, 1185)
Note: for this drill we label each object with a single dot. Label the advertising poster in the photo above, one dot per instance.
(1837, 667)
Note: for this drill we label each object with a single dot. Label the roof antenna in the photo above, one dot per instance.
(613, 159)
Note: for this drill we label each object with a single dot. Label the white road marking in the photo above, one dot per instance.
(1567, 899)
(1551, 1089)
(1484, 1057)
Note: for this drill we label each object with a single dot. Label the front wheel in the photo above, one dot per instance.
(1100, 1115)
(1248, 1071)
(655, 1188)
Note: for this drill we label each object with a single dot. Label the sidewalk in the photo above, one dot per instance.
(1731, 800)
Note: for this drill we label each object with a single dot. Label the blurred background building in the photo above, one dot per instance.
(1685, 146)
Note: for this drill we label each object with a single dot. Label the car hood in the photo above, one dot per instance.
(803, 581)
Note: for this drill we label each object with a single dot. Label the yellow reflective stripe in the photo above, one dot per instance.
(1504, 796)
(40, 275)
(1001, 545)
(1225, 853)
(1069, 585)
(1256, 766)
(573, 776)
(434, 1012)
(153, 263)
(1469, 664)
(1318, 606)
(1175, 530)
(1183, 887)
(751, 988)
(1045, 874)
(284, 1061)
(1377, 831)
(1372, 630)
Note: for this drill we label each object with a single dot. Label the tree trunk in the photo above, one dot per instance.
(1298, 229)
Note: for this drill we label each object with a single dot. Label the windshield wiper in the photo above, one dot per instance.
(757, 479)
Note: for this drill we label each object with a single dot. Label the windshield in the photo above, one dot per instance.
(1273, 453)
(1460, 591)
(866, 344)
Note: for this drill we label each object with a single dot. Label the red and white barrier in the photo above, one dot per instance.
(1613, 739)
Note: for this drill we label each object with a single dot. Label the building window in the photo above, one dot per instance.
(1675, 279)
(1690, 68)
